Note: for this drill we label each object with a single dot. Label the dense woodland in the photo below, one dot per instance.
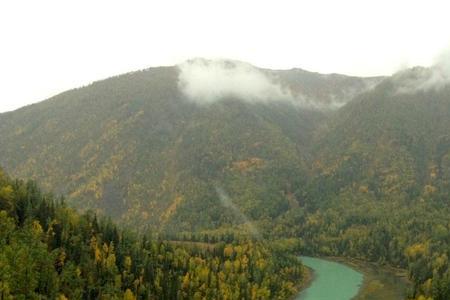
(48, 251)
(416, 239)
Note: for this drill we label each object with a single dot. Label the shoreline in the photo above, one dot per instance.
(379, 281)
(372, 273)
(359, 263)
(308, 278)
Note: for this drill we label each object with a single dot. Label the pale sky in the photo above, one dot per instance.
(47, 47)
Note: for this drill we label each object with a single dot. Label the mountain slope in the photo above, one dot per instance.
(137, 148)
(389, 141)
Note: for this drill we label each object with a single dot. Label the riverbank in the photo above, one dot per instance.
(380, 282)
(307, 279)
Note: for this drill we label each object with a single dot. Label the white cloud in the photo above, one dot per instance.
(205, 81)
(424, 79)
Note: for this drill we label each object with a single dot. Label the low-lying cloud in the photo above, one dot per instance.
(206, 81)
(425, 79)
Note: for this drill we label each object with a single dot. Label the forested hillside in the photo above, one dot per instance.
(135, 147)
(380, 185)
(386, 142)
(48, 251)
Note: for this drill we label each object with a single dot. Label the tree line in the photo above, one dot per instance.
(49, 251)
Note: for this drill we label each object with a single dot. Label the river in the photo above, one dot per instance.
(364, 281)
(331, 281)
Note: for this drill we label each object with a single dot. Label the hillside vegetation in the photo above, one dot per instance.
(48, 251)
(136, 148)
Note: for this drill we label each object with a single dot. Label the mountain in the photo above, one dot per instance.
(379, 182)
(140, 148)
(336, 165)
(389, 140)
(325, 90)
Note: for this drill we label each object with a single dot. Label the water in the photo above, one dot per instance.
(332, 281)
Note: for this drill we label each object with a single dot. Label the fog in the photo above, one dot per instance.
(206, 81)
(425, 79)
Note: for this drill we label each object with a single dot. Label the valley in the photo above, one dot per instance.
(228, 181)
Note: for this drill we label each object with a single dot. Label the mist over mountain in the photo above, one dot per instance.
(206, 81)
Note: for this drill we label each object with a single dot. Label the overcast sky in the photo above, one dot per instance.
(47, 47)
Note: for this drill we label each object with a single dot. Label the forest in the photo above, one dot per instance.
(48, 251)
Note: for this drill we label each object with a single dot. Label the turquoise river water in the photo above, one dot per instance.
(331, 281)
